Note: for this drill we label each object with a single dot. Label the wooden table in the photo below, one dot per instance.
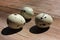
(51, 7)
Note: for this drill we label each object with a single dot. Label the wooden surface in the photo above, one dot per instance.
(51, 7)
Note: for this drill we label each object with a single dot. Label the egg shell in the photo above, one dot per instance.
(15, 21)
(43, 20)
(27, 12)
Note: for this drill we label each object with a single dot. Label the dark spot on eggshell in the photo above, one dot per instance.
(49, 23)
(15, 14)
(18, 25)
(44, 17)
(23, 10)
(24, 23)
(44, 24)
(41, 18)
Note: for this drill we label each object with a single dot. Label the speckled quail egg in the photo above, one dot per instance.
(15, 21)
(43, 20)
(27, 12)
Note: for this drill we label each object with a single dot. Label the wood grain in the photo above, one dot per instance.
(51, 7)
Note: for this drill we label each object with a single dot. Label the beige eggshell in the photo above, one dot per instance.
(27, 12)
(43, 20)
(15, 21)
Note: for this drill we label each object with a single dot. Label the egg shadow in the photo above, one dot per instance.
(37, 30)
(9, 31)
(28, 20)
